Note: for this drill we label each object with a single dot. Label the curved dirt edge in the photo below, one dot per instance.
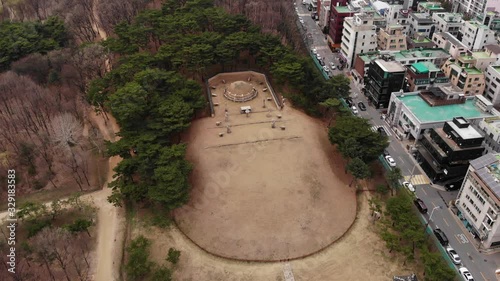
(348, 230)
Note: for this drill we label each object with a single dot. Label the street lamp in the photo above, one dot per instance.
(430, 217)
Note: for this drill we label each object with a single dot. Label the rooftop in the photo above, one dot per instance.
(453, 40)
(480, 55)
(477, 24)
(496, 67)
(390, 66)
(494, 48)
(427, 114)
(420, 53)
(425, 67)
(488, 170)
(343, 9)
(465, 133)
(473, 70)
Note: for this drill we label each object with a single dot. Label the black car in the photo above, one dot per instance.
(420, 205)
(382, 131)
(453, 186)
(441, 237)
(349, 102)
(361, 106)
(386, 152)
(321, 62)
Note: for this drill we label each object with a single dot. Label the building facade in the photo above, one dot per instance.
(391, 38)
(337, 17)
(422, 75)
(359, 36)
(420, 23)
(479, 200)
(384, 77)
(450, 43)
(465, 75)
(476, 35)
(448, 22)
(324, 14)
(492, 81)
(473, 8)
(490, 127)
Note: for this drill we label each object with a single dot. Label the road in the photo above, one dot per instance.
(482, 266)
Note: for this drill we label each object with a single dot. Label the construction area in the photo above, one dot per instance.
(264, 184)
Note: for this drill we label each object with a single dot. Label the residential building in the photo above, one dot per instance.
(490, 128)
(421, 23)
(444, 152)
(430, 8)
(410, 114)
(384, 77)
(478, 200)
(448, 22)
(491, 18)
(436, 56)
(492, 81)
(359, 36)
(483, 60)
(450, 43)
(420, 41)
(465, 75)
(473, 8)
(337, 16)
(422, 75)
(395, 14)
(391, 38)
(493, 51)
(476, 35)
(324, 13)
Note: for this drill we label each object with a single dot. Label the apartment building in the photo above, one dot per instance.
(464, 75)
(473, 8)
(422, 75)
(444, 153)
(420, 23)
(478, 200)
(448, 22)
(490, 128)
(384, 77)
(491, 18)
(337, 17)
(391, 38)
(493, 50)
(450, 43)
(359, 36)
(419, 41)
(430, 8)
(483, 60)
(492, 81)
(476, 35)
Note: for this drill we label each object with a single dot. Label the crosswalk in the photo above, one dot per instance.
(374, 128)
(418, 179)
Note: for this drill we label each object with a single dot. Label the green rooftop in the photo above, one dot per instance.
(426, 113)
(481, 55)
(420, 67)
(472, 70)
(497, 67)
(342, 9)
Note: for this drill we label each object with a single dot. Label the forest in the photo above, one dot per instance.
(155, 88)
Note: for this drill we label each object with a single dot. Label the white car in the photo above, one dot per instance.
(466, 274)
(314, 51)
(318, 56)
(325, 68)
(333, 66)
(453, 255)
(409, 186)
(301, 20)
(390, 161)
(354, 109)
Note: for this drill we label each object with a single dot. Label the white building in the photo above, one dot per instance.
(450, 43)
(359, 36)
(492, 81)
(476, 35)
(420, 23)
(396, 15)
(479, 200)
(490, 128)
(448, 22)
(471, 7)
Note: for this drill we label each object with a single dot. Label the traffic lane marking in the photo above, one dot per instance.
(483, 276)
(423, 190)
(446, 222)
(433, 204)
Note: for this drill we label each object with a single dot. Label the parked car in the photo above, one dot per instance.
(390, 161)
(332, 66)
(453, 255)
(314, 51)
(301, 20)
(321, 62)
(318, 57)
(420, 205)
(454, 185)
(466, 274)
(409, 186)
(386, 152)
(441, 237)
(326, 69)
(354, 109)
(361, 106)
(382, 131)
(349, 102)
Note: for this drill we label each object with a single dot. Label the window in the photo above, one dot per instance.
(476, 79)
